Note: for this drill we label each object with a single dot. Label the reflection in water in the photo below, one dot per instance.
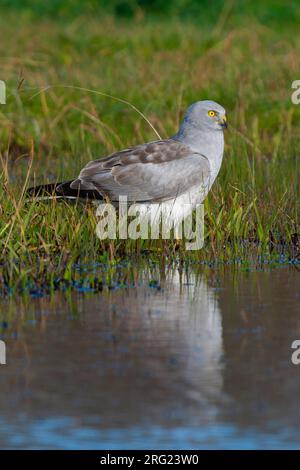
(184, 365)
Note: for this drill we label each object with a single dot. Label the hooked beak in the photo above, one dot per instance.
(223, 122)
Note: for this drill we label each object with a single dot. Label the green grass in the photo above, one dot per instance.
(160, 66)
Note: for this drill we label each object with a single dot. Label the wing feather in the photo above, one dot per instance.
(155, 171)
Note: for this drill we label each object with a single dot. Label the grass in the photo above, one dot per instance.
(160, 67)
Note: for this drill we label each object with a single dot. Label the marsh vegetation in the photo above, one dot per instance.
(66, 78)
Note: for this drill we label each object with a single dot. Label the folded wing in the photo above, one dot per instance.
(155, 172)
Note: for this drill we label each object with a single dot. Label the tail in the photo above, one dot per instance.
(61, 191)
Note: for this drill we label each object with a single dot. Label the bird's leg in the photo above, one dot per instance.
(177, 237)
(177, 243)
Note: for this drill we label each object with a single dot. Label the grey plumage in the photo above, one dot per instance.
(177, 170)
(152, 172)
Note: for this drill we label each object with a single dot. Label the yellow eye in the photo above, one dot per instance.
(212, 113)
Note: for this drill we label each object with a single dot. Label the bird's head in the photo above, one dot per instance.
(206, 115)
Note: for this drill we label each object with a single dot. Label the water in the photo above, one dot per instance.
(203, 361)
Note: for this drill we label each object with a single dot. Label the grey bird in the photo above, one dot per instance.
(177, 172)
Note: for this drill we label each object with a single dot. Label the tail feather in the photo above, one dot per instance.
(62, 191)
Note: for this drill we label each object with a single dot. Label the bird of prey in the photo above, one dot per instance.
(176, 173)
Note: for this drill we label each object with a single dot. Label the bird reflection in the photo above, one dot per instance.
(150, 354)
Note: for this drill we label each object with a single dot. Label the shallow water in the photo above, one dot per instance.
(202, 361)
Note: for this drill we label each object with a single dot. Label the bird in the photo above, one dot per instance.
(175, 173)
